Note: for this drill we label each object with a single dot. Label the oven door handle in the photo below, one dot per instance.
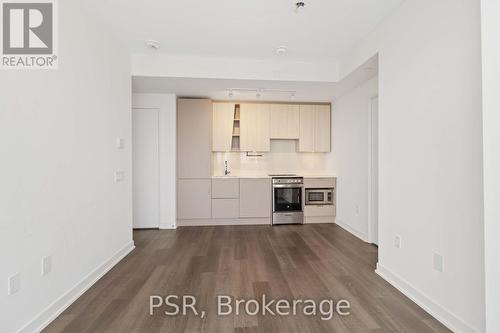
(287, 186)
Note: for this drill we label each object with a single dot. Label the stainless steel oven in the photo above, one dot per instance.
(319, 196)
(287, 200)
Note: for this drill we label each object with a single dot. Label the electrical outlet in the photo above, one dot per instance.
(13, 284)
(119, 176)
(397, 242)
(120, 143)
(438, 262)
(46, 265)
(357, 209)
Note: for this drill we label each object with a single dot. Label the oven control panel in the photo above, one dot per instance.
(297, 180)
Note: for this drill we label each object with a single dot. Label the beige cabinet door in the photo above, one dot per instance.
(285, 121)
(254, 127)
(307, 125)
(194, 138)
(223, 119)
(194, 199)
(255, 197)
(225, 188)
(225, 208)
(322, 136)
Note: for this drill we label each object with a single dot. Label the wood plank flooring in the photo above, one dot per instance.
(291, 262)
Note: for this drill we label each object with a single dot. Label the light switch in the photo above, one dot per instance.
(438, 262)
(119, 176)
(13, 284)
(120, 143)
(46, 265)
(397, 242)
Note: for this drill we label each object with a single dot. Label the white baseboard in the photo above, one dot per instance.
(44, 318)
(168, 226)
(447, 318)
(351, 230)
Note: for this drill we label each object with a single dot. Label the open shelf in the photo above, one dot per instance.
(235, 141)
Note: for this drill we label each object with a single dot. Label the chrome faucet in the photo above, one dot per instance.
(226, 171)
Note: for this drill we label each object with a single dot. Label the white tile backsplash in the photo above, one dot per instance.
(283, 158)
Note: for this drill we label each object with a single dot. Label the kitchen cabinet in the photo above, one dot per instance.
(225, 208)
(194, 138)
(225, 188)
(322, 137)
(254, 127)
(315, 128)
(223, 118)
(320, 213)
(307, 123)
(194, 198)
(285, 121)
(255, 197)
(251, 126)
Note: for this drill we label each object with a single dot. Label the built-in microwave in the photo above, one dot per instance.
(319, 196)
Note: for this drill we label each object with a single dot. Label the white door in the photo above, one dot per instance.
(374, 170)
(146, 168)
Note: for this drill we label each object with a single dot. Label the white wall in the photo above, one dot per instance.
(167, 105)
(164, 65)
(58, 198)
(431, 191)
(350, 156)
(491, 136)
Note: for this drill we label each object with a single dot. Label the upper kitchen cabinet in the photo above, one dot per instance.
(307, 124)
(194, 138)
(255, 127)
(315, 128)
(322, 129)
(223, 126)
(285, 121)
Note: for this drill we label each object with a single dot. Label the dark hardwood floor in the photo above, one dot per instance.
(290, 262)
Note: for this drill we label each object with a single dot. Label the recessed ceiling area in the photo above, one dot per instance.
(247, 90)
(320, 31)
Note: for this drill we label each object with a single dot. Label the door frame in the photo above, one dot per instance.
(372, 218)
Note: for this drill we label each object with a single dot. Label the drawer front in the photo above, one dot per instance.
(225, 208)
(225, 188)
(327, 210)
(319, 182)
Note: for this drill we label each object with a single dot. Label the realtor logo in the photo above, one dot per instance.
(28, 34)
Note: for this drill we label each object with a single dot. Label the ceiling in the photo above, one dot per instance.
(320, 31)
(218, 89)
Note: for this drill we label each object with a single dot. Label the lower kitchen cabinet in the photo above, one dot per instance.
(225, 188)
(320, 213)
(194, 198)
(225, 208)
(255, 197)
